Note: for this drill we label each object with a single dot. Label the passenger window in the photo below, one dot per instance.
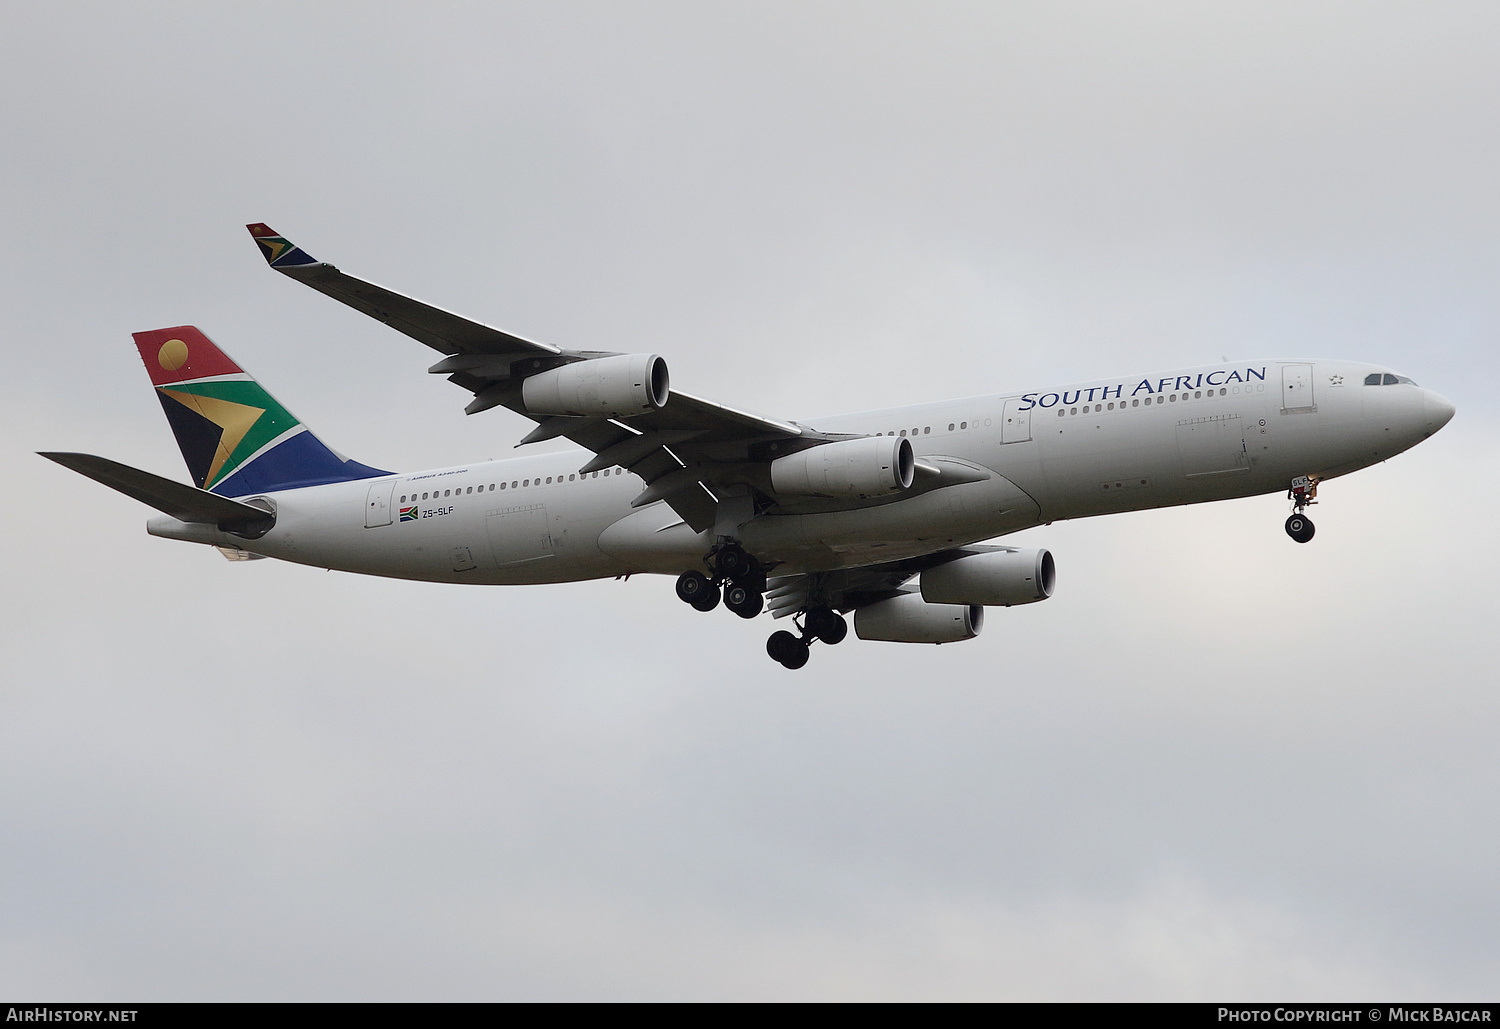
(926, 429)
(903, 432)
(1061, 412)
(424, 496)
(1111, 407)
(963, 425)
(950, 426)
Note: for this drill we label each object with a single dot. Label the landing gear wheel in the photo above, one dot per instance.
(787, 649)
(1300, 528)
(731, 561)
(827, 625)
(691, 586)
(707, 600)
(743, 601)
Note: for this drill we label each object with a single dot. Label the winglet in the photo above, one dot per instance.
(279, 251)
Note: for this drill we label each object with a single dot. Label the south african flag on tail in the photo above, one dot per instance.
(235, 437)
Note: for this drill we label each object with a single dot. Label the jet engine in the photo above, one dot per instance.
(605, 387)
(852, 468)
(910, 619)
(996, 579)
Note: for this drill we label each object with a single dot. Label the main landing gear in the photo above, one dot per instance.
(738, 580)
(1302, 494)
(818, 623)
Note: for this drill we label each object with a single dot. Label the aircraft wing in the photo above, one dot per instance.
(678, 449)
(183, 502)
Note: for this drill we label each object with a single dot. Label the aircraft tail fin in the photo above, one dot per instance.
(235, 437)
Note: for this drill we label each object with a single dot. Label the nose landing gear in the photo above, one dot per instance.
(1300, 528)
(1303, 493)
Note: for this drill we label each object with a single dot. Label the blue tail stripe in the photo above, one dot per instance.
(302, 460)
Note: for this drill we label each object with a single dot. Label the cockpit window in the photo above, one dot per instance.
(1390, 380)
(1373, 379)
(1387, 379)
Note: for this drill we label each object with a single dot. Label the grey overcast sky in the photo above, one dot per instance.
(1215, 766)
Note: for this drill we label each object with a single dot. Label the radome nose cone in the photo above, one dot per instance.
(1438, 409)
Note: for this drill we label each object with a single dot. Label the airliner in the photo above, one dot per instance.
(880, 515)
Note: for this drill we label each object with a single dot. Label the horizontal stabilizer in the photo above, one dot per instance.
(185, 503)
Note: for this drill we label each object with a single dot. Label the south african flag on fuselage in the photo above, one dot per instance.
(408, 514)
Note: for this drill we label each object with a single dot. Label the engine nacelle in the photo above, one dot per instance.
(606, 387)
(998, 579)
(910, 619)
(853, 468)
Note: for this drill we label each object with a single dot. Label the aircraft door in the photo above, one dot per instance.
(1015, 426)
(519, 534)
(378, 504)
(1212, 445)
(1297, 388)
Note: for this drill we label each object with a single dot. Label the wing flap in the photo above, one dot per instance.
(847, 588)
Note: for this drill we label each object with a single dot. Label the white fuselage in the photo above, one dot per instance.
(1210, 433)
